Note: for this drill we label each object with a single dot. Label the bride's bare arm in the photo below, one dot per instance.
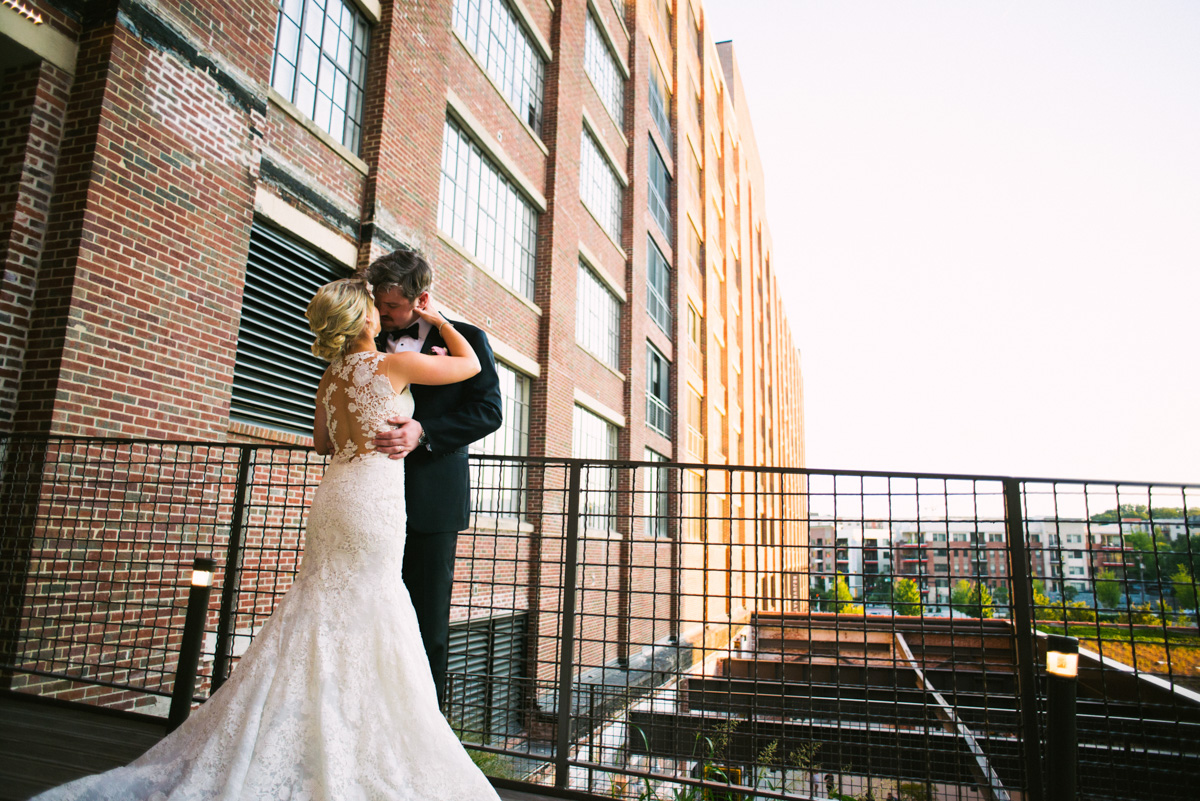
(421, 368)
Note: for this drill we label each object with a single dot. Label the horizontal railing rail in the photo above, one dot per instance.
(652, 629)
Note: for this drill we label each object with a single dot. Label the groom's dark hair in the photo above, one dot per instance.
(406, 270)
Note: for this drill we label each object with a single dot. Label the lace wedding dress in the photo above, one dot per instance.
(333, 701)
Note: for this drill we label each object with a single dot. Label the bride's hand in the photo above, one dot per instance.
(430, 314)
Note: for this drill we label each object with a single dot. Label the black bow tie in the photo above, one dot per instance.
(412, 332)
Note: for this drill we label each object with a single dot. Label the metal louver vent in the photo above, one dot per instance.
(275, 377)
(485, 677)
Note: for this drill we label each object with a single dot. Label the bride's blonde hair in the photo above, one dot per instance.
(337, 315)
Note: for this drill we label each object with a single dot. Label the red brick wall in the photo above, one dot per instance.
(32, 102)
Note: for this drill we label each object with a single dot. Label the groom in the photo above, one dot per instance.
(434, 444)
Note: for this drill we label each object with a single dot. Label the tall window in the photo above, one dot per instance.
(484, 212)
(491, 29)
(658, 286)
(695, 354)
(658, 391)
(660, 102)
(656, 496)
(597, 317)
(601, 66)
(275, 376)
(696, 192)
(695, 435)
(498, 487)
(599, 186)
(596, 438)
(660, 191)
(321, 64)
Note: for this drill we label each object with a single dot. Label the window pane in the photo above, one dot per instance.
(601, 66)
(331, 62)
(599, 186)
(492, 31)
(658, 286)
(660, 190)
(658, 391)
(596, 438)
(483, 211)
(498, 487)
(597, 317)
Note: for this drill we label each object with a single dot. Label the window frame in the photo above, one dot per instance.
(600, 187)
(499, 55)
(348, 79)
(469, 218)
(603, 69)
(598, 501)
(505, 496)
(597, 317)
(658, 286)
(658, 391)
(658, 197)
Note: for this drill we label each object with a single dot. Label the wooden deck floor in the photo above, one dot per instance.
(45, 743)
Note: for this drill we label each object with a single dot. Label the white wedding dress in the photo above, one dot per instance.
(333, 701)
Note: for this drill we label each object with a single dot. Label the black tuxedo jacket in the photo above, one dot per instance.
(437, 485)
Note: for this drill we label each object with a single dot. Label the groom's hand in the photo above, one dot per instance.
(400, 441)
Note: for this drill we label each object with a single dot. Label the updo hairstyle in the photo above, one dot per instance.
(337, 314)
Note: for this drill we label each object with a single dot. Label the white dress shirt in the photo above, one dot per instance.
(404, 344)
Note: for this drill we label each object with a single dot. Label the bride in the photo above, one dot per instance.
(333, 701)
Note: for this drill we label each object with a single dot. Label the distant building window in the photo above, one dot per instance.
(275, 375)
(601, 66)
(320, 64)
(596, 438)
(656, 496)
(695, 441)
(498, 487)
(658, 391)
(660, 102)
(658, 287)
(492, 31)
(597, 317)
(660, 191)
(484, 212)
(599, 186)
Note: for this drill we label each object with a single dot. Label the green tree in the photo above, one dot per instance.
(1183, 588)
(1108, 590)
(843, 599)
(980, 601)
(906, 597)
(972, 598)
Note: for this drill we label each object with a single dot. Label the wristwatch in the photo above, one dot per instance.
(423, 440)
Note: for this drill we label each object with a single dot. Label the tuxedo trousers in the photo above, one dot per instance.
(429, 576)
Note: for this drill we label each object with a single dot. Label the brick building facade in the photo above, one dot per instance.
(177, 178)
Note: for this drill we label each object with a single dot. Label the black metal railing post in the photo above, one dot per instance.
(189, 647)
(1062, 739)
(1021, 597)
(233, 571)
(566, 654)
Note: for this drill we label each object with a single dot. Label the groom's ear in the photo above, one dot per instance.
(423, 300)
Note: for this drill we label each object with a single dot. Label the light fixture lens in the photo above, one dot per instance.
(1060, 664)
(202, 578)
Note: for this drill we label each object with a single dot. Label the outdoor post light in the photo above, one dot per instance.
(189, 648)
(1062, 746)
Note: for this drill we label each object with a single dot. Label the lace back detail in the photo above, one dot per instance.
(370, 400)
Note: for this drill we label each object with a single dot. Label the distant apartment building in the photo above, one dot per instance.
(860, 552)
(939, 554)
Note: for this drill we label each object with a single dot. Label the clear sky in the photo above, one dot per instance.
(986, 219)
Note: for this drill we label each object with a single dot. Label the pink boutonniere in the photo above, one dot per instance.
(439, 351)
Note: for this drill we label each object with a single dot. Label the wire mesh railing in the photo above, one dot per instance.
(655, 630)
